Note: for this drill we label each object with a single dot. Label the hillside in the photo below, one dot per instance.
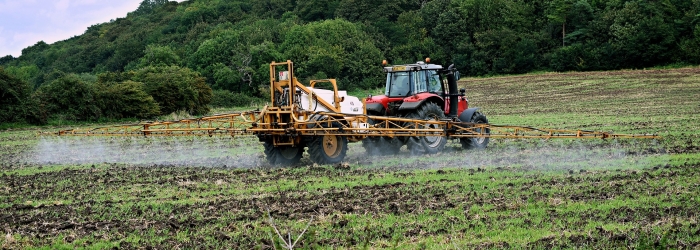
(231, 42)
(228, 45)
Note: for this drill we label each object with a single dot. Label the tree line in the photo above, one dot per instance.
(227, 45)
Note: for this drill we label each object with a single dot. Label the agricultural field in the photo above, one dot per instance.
(170, 193)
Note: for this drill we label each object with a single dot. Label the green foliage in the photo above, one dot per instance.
(572, 57)
(69, 98)
(334, 48)
(25, 73)
(115, 76)
(316, 10)
(175, 88)
(642, 36)
(6, 59)
(125, 99)
(371, 10)
(690, 47)
(83, 97)
(148, 6)
(230, 42)
(228, 99)
(155, 55)
(15, 102)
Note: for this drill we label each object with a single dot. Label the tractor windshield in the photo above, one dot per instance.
(434, 85)
(403, 83)
(398, 84)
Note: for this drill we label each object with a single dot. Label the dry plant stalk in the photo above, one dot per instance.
(288, 244)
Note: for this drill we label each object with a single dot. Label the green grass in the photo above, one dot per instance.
(596, 194)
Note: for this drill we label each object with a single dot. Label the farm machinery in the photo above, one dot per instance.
(423, 91)
(421, 108)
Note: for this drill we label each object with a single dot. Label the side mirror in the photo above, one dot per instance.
(456, 75)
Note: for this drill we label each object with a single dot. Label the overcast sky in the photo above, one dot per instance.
(25, 22)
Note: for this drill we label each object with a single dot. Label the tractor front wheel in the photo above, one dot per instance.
(282, 155)
(328, 149)
(477, 142)
(426, 144)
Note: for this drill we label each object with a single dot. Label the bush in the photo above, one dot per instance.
(125, 99)
(228, 99)
(34, 111)
(15, 102)
(175, 88)
(69, 97)
(568, 58)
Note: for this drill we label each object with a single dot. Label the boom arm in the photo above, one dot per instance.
(251, 123)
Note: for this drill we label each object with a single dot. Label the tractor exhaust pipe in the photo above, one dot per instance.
(454, 96)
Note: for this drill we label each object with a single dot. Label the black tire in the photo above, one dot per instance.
(282, 155)
(426, 144)
(328, 149)
(381, 145)
(476, 142)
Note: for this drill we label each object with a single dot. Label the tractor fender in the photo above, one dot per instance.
(466, 115)
(416, 101)
(376, 108)
(411, 105)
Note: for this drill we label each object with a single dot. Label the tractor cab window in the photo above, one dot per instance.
(434, 85)
(398, 84)
(421, 81)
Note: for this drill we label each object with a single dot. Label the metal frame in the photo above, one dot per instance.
(301, 124)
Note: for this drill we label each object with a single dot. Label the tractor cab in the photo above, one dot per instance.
(406, 80)
(408, 86)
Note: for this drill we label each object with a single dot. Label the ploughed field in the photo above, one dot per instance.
(220, 193)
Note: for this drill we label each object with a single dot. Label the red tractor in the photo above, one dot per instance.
(422, 91)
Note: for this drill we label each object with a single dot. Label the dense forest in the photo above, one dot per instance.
(169, 56)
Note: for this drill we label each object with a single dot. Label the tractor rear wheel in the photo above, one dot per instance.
(282, 155)
(328, 149)
(426, 144)
(381, 145)
(477, 142)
